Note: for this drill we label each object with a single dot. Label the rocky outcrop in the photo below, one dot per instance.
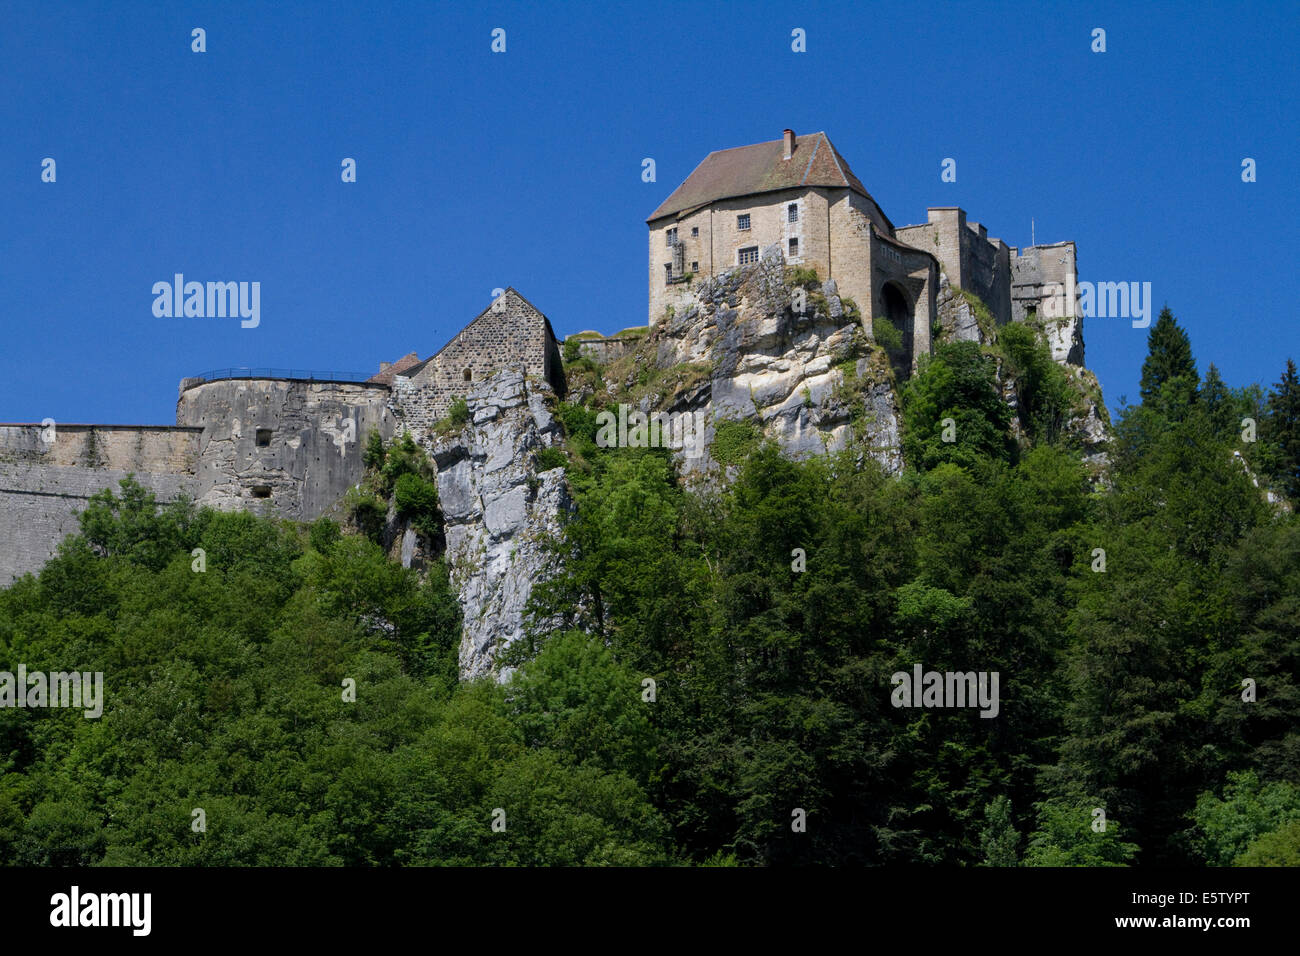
(498, 509)
(792, 360)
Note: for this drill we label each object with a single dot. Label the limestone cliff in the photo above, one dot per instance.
(498, 507)
(792, 360)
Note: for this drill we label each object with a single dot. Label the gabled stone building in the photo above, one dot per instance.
(509, 332)
(798, 195)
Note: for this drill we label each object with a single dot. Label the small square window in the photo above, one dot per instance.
(742, 221)
(748, 255)
(794, 247)
(792, 212)
(672, 236)
(263, 437)
(695, 230)
(695, 267)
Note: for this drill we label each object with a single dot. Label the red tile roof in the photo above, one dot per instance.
(385, 376)
(760, 168)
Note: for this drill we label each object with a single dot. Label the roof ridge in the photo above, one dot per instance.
(835, 158)
(803, 181)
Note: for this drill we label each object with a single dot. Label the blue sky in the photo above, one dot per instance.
(478, 170)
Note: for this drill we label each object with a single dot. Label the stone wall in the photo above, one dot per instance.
(602, 350)
(39, 503)
(282, 444)
(971, 260)
(916, 274)
(717, 245)
(154, 448)
(1032, 273)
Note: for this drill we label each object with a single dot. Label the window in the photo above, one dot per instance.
(672, 236)
(469, 375)
(263, 437)
(748, 255)
(695, 230)
(695, 267)
(792, 212)
(668, 272)
(261, 491)
(794, 247)
(742, 222)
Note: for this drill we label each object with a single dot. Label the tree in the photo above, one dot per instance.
(1216, 401)
(1226, 827)
(1000, 837)
(1283, 430)
(958, 383)
(1169, 376)
(1068, 835)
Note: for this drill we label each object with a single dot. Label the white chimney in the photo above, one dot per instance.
(789, 144)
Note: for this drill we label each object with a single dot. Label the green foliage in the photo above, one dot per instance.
(733, 440)
(416, 499)
(1282, 430)
(550, 457)
(1279, 848)
(458, 412)
(770, 611)
(368, 511)
(1169, 376)
(959, 384)
(886, 334)
(1043, 391)
(223, 691)
(1227, 827)
(403, 457)
(571, 350)
(1000, 837)
(804, 276)
(1066, 837)
(375, 452)
(324, 533)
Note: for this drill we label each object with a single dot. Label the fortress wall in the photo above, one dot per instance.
(311, 454)
(155, 448)
(605, 350)
(39, 503)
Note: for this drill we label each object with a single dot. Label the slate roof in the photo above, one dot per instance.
(749, 170)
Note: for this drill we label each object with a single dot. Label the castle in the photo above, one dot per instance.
(289, 444)
(798, 196)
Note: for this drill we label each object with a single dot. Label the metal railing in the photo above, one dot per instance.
(299, 374)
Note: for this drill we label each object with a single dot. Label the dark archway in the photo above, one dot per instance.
(899, 313)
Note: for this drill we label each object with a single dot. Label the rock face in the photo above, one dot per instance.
(498, 509)
(780, 357)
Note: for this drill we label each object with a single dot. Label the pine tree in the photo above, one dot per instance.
(1169, 376)
(1284, 429)
(1216, 401)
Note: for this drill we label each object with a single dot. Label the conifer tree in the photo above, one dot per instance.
(1169, 376)
(1284, 429)
(1216, 401)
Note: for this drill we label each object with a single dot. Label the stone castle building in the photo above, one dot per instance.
(290, 445)
(797, 196)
